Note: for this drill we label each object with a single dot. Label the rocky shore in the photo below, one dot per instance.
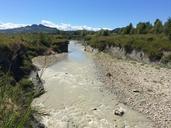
(143, 87)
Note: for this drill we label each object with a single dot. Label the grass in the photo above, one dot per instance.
(16, 91)
(151, 44)
(14, 103)
(31, 41)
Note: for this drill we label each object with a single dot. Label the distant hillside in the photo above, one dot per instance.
(31, 29)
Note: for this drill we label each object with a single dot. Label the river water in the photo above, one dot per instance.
(75, 97)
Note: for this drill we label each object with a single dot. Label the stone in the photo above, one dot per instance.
(136, 91)
(95, 109)
(109, 74)
(119, 112)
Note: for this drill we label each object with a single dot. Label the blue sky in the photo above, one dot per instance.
(94, 13)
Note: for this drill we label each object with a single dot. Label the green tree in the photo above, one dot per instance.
(104, 32)
(128, 29)
(167, 27)
(143, 28)
(140, 28)
(158, 27)
(149, 27)
(83, 33)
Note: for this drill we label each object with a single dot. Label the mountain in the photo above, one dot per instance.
(31, 29)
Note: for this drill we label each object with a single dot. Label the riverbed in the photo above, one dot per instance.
(76, 98)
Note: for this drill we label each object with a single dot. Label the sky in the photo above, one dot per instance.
(81, 14)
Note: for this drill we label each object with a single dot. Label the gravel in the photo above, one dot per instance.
(145, 88)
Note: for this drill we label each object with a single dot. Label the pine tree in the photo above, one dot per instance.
(158, 27)
(167, 27)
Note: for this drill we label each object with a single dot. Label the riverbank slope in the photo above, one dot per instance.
(16, 88)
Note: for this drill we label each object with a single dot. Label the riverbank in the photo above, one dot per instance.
(48, 60)
(143, 87)
(19, 80)
(41, 63)
(76, 98)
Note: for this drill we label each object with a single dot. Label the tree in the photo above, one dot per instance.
(167, 27)
(149, 27)
(158, 27)
(143, 28)
(104, 32)
(83, 33)
(128, 29)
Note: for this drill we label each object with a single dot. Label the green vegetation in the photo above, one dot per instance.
(16, 90)
(17, 50)
(167, 28)
(14, 102)
(153, 40)
(153, 45)
(158, 27)
(146, 28)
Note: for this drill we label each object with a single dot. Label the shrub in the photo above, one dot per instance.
(155, 56)
(151, 44)
(25, 83)
(128, 47)
(166, 59)
(14, 111)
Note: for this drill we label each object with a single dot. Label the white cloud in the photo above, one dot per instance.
(62, 26)
(10, 25)
(69, 27)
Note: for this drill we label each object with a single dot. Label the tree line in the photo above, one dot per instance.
(141, 28)
(146, 28)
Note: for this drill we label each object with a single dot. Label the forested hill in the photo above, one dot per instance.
(31, 29)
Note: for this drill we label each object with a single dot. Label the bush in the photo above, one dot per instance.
(25, 83)
(170, 36)
(151, 44)
(14, 111)
(16, 91)
(155, 56)
(166, 59)
(128, 47)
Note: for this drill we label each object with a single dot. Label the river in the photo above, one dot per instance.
(76, 98)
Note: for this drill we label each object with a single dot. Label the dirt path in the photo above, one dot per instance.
(76, 98)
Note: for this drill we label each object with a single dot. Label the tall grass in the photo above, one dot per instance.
(16, 91)
(14, 108)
